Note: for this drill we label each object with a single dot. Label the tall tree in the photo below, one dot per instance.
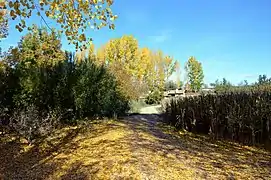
(122, 58)
(146, 69)
(91, 52)
(39, 54)
(170, 66)
(195, 74)
(159, 69)
(178, 74)
(144, 64)
(100, 55)
(74, 17)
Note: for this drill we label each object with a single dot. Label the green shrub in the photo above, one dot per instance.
(154, 97)
(72, 91)
(96, 93)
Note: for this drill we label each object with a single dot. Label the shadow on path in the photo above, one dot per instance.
(208, 159)
(134, 147)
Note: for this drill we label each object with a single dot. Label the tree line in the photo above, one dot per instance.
(138, 70)
(262, 83)
(41, 84)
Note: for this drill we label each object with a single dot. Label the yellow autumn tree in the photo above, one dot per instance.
(122, 58)
(159, 78)
(74, 17)
(41, 46)
(91, 52)
(129, 53)
(3, 20)
(100, 55)
(145, 69)
(136, 69)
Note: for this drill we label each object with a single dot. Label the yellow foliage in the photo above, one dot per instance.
(101, 58)
(74, 17)
(137, 67)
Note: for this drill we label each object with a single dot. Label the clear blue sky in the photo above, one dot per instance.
(232, 38)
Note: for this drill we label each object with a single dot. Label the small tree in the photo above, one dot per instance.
(195, 74)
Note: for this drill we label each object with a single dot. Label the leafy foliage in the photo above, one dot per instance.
(137, 70)
(42, 47)
(263, 80)
(3, 20)
(169, 66)
(96, 92)
(46, 84)
(262, 84)
(74, 17)
(154, 97)
(195, 74)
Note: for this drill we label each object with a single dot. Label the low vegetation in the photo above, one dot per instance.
(243, 117)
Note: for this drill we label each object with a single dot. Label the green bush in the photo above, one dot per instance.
(38, 78)
(95, 92)
(72, 91)
(154, 97)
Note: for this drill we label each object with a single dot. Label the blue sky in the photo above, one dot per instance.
(232, 38)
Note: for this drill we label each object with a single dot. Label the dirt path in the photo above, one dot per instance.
(150, 110)
(163, 154)
(135, 147)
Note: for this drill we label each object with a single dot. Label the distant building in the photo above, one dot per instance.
(174, 93)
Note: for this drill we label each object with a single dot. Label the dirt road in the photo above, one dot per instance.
(151, 110)
(134, 147)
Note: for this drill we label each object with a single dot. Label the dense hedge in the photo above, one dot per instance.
(33, 97)
(244, 116)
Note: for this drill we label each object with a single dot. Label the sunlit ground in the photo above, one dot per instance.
(133, 148)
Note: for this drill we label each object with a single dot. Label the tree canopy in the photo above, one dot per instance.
(75, 17)
(195, 74)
